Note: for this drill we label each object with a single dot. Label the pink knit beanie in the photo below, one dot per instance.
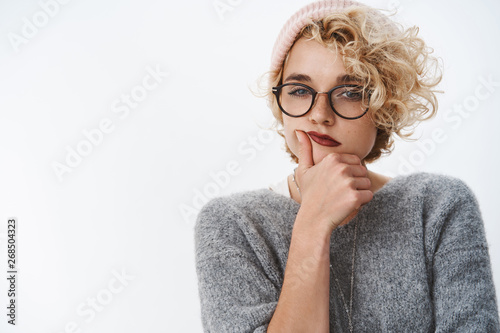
(297, 21)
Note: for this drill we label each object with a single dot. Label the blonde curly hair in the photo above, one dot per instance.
(393, 63)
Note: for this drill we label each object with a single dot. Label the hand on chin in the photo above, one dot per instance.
(319, 152)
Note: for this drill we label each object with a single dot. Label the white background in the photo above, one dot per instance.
(119, 210)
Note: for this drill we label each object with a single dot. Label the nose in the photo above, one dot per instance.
(321, 111)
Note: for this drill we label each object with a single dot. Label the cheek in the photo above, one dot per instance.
(369, 135)
(372, 135)
(291, 138)
(373, 129)
(359, 137)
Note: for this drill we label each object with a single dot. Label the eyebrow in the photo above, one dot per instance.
(298, 77)
(306, 78)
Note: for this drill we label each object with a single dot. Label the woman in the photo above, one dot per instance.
(337, 247)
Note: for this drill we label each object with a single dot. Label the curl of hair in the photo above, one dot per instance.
(393, 63)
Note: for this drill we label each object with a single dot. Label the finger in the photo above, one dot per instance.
(362, 183)
(305, 151)
(358, 171)
(365, 196)
(349, 159)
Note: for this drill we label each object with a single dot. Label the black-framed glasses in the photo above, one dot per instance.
(348, 101)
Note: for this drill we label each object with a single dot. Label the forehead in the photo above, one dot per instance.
(313, 59)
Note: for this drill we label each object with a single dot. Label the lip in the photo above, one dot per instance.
(323, 139)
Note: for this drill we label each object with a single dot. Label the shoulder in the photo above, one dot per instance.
(243, 221)
(431, 186)
(426, 192)
(246, 205)
(244, 201)
(445, 205)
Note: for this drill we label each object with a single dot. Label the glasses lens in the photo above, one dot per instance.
(350, 102)
(295, 99)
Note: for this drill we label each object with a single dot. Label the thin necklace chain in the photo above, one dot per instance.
(297, 185)
(348, 311)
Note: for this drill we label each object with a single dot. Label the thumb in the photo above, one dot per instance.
(305, 151)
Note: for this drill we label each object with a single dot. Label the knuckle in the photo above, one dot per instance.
(370, 195)
(333, 157)
(364, 170)
(354, 199)
(343, 169)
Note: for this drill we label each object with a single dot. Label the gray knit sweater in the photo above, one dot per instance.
(422, 262)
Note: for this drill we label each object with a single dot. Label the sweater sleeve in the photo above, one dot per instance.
(463, 290)
(236, 294)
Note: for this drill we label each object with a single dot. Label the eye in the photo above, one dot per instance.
(299, 92)
(352, 93)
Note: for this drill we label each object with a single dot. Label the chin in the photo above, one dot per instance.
(318, 156)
